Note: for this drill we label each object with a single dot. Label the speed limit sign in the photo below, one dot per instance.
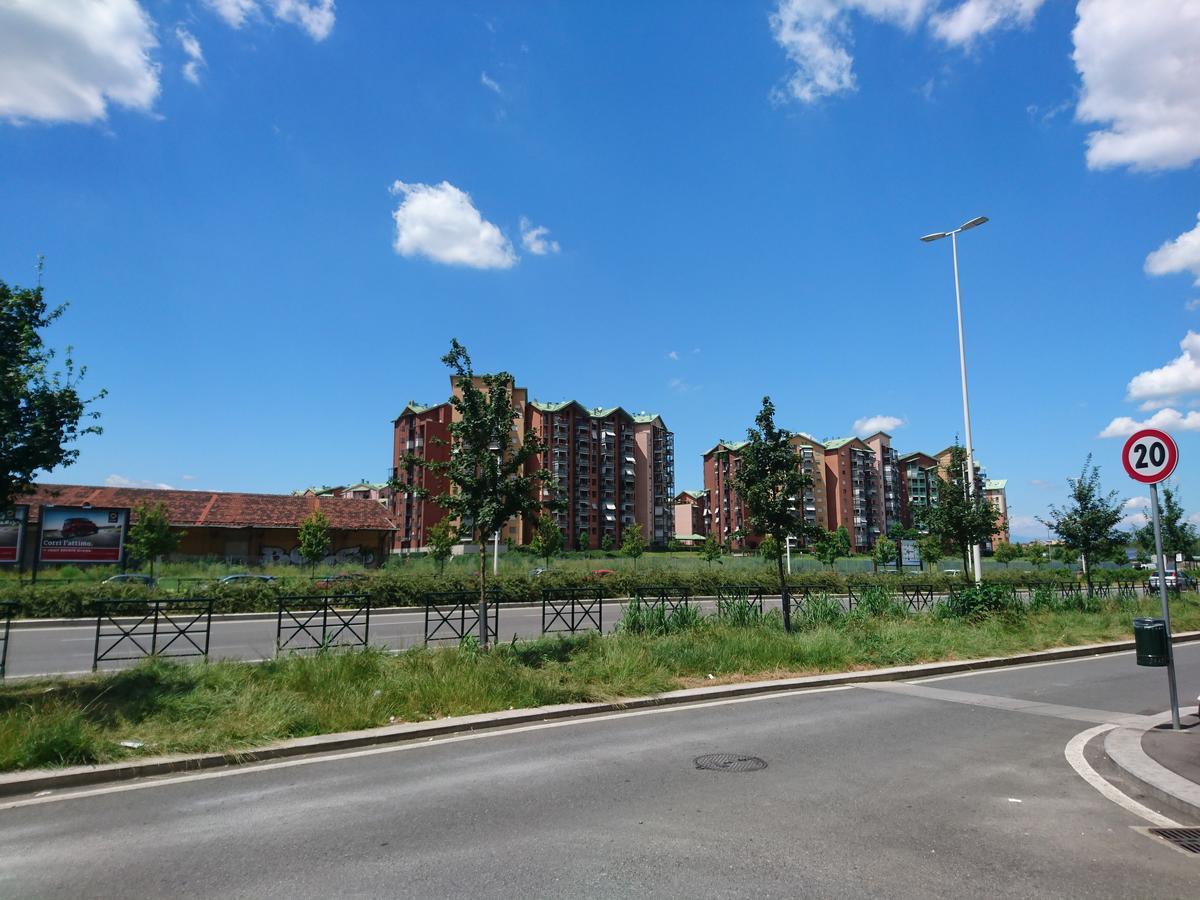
(1150, 456)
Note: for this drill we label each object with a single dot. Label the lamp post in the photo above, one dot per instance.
(494, 446)
(976, 554)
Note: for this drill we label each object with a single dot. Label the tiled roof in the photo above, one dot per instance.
(838, 442)
(995, 484)
(731, 446)
(219, 510)
(645, 418)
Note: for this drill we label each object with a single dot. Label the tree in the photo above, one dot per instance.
(1006, 553)
(830, 546)
(547, 539)
(152, 536)
(488, 473)
(931, 547)
(41, 410)
(770, 483)
(582, 542)
(315, 539)
(711, 550)
(959, 518)
(1178, 535)
(884, 552)
(633, 544)
(1088, 523)
(606, 542)
(769, 549)
(1036, 553)
(442, 538)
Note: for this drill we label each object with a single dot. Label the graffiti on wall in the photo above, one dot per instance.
(277, 556)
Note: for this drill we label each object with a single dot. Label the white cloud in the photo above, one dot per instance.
(816, 34)
(1192, 305)
(1136, 503)
(534, 239)
(441, 223)
(191, 46)
(679, 386)
(1179, 377)
(122, 481)
(66, 61)
(1026, 526)
(868, 425)
(1168, 419)
(188, 477)
(1179, 255)
(1140, 67)
(317, 17)
(673, 355)
(489, 83)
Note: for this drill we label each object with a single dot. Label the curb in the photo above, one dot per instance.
(18, 783)
(1124, 747)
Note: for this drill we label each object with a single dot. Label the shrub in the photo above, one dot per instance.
(980, 602)
(819, 611)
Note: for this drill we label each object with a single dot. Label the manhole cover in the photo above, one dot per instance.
(1187, 839)
(729, 762)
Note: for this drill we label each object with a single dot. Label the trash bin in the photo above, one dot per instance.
(1150, 638)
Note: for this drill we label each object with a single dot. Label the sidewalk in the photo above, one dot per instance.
(1163, 762)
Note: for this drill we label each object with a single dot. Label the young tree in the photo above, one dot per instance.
(547, 539)
(315, 539)
(1036, 553)
(1178, 535)
(960, 519)
(769, 481)
(633, 544)
(769, 549)
(931, 547)
(487, 471)
(582, 541)
(830, 546)
(606, 543)
(884, 552)
(1087, 524)
(710, 550)
(40, 409)
(442, 538)
(1006, 553)
(152, 536)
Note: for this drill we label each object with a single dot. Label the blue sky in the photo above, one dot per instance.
(271, 216)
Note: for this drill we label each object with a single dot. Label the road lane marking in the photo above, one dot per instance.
(415, 743)
(1075, 757)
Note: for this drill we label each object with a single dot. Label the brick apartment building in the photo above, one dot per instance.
(612, 468)
(691, 517)
(854, 489)
(919, 482)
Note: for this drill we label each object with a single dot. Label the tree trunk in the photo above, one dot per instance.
(483, 629)
(784, 596)
(1087, 572)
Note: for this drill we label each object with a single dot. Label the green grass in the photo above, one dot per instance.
(232, 707)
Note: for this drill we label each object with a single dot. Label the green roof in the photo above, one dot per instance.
(645, 418)
(418, 408)
(689, 537)
(995, 484)
(552, 407)
(838, 442)
(731, 446)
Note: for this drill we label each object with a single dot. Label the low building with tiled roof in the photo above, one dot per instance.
(241, 528)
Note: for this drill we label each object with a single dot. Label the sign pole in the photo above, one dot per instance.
(1166, 610)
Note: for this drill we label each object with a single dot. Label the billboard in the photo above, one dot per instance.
(12, 531)
(909, 554)
(82, 534)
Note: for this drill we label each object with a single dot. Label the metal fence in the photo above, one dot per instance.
(452, 615)
(737, 594)
(663, 596)
(137, 629)
(572, 609)
(320, 622)
(7, 607)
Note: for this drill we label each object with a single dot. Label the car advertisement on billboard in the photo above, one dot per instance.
(82, 534)
(12, 531)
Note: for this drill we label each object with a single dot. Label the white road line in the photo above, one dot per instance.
(1074, 754)
(414, 744)
(1051, 662)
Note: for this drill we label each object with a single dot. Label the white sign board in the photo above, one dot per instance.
(909, 554)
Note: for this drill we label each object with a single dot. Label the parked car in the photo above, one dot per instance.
(540, 570)
(952, 573)
(602, 573)
(341, 582)
(245, 578)
(129, 579)
(1174, 580)
(77, 527)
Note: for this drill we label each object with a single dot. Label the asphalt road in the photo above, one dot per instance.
(867, 792)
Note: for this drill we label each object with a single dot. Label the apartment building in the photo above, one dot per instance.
(854, 491)
(919, 482)
(887, 468)
(423, 432)
(995, 490)
(814, 501)
(691, 517)
(726, 511)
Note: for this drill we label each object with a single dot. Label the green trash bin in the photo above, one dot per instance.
(1150, 638)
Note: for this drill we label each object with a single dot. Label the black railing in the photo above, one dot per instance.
(137, 629)
(7, 608)
(452, 615)
(731, 594)
(320, 622)
(667, 597)
(572, 609)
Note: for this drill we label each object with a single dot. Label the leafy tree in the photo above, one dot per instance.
(829, 546)
(1178, 535)
(547, 539)
(606, 543)
(1088, 523)
(1036, 553)
(582, 542)
(315, 539)
(960, 519)
(41, 410)
(769, 481)
(931, 547)
(152, 536)
(769, 549)
(1006, 553)
(711, 550)
(442, 538)
(674, 546)
(884, 552)
(633, 544)
(488, 473)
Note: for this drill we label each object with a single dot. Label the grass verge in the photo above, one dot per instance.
(231, 706)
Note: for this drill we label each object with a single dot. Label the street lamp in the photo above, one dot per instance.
(494, 446)
(976, 554)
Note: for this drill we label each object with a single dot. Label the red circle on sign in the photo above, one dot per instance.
(1142, 439)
